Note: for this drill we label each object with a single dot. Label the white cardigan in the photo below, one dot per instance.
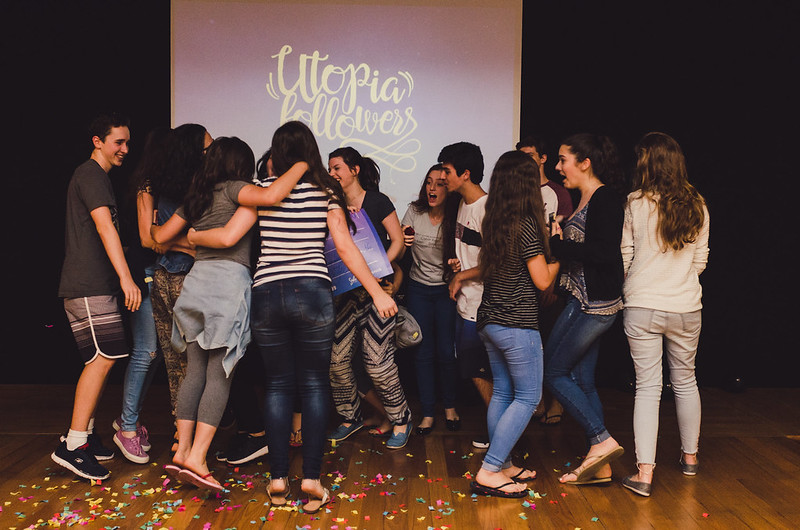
(655, 279)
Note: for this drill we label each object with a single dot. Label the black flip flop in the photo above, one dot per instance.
(480, 489)
(519, 480)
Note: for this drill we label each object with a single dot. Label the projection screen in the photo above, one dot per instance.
(395, 80)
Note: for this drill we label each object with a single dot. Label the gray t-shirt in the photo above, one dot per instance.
(87, 271)
(223, 206)
(426, 253)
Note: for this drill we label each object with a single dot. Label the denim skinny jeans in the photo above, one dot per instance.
(141, 367)
(570, 359)
(649, 332)
(515, 355)
(432, 308)
(292, 323)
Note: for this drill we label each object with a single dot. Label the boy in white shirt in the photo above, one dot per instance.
(463, 173)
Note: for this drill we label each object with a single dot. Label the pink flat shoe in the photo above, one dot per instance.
(201, 482)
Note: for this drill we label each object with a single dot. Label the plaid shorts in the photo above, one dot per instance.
(96, 324)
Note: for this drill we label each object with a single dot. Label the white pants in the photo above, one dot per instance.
(648, 330)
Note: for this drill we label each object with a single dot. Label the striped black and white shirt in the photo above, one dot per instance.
(509, 297)
(292, 235)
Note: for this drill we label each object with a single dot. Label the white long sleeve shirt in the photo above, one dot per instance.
(654, 278)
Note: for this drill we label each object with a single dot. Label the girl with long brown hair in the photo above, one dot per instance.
(514, 262)
(664, 250)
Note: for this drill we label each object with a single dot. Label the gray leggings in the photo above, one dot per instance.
(204, 391)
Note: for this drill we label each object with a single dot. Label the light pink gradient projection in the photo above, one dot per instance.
(397, 82)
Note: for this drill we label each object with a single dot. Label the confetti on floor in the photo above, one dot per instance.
(119, 503)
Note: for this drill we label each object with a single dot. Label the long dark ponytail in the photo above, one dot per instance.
(369, 174)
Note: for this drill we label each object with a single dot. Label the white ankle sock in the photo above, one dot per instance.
(76, 439)
(90, 429)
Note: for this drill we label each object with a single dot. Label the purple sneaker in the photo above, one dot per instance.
(141, 431)
(144, 437)
(131, 448)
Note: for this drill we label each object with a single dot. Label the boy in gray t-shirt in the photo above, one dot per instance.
(93, 273)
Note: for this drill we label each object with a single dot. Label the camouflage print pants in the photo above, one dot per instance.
(166, 288)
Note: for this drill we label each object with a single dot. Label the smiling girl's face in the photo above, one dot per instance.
(342, 172)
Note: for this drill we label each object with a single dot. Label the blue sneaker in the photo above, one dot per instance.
(400, 439)
(343, 433)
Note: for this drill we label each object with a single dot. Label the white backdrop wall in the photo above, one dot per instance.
(395, 80)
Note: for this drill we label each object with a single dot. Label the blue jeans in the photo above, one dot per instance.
(515, 355)
(435, 313)
(292, 323)
(141, 368)
(570, 359)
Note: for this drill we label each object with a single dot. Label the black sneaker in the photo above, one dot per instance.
(481, 442)
(96, 447)
(98, 450)
(222, 456)
(246, 448)
(80, 461)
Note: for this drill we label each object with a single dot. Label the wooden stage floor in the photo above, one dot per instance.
(749, 475)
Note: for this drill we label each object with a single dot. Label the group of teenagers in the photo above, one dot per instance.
(231, 261)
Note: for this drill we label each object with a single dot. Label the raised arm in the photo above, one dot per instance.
(277, 191)
(351, 256)
(145, 212)
(226, 236)
(174, 227)
(113, 247)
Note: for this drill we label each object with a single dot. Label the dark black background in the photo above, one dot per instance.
(718, 76)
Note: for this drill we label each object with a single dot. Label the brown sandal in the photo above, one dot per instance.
(278, 498)
(315, 504)
(296, 438)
